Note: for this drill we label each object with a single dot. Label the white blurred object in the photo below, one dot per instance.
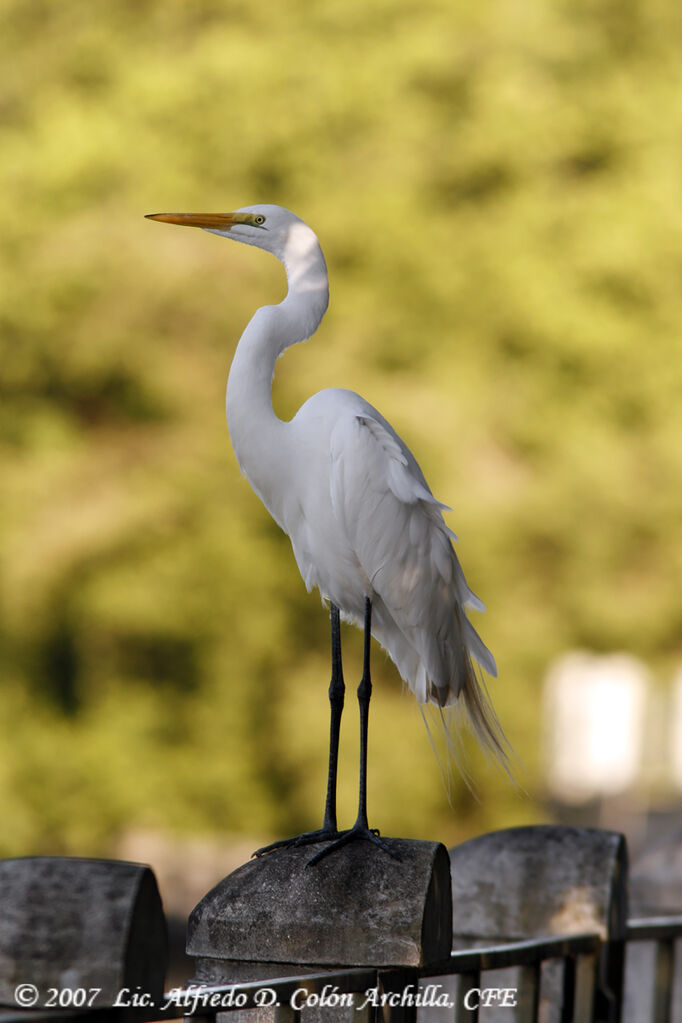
(676, 730)
(595, 709)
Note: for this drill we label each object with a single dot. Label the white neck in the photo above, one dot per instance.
(258, 435)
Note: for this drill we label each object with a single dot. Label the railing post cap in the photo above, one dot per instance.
(357, 907)
(77, 923)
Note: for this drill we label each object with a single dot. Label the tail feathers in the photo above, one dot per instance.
(441, 672)
(469, 695)
(473, 699)
(483, 719)
(472, 708)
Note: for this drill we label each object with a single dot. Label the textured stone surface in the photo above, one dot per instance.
(656, 878)
(524, 882)
(544, 880)
(80, 923)
(357, 907)
(236, 971)
(655, 890)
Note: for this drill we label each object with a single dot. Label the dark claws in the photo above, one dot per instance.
(308, 838)
(355, 833)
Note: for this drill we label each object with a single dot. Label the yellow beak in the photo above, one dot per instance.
(214, 221)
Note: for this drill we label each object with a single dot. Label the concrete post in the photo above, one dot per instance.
(275, 916)
(655, 891)
(529, 882)
(72, 925)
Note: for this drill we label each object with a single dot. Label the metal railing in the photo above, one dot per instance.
(370, 994)
(578, 954)
(398, 995)
(664, 933)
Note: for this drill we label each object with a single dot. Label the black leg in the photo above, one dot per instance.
(361, 829)
(337, 690)
(364, 696)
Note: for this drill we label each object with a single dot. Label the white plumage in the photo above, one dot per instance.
(342, 484)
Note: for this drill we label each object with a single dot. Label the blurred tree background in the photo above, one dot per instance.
(496, 188)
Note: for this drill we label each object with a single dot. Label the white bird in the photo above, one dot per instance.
(364, 526)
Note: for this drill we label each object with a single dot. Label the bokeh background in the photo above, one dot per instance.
(497, 190)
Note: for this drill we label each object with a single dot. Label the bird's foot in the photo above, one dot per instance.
(357, 832)
(323, 834)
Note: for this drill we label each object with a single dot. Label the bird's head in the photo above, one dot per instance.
(268, 227)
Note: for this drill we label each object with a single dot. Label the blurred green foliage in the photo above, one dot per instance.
(496, 188)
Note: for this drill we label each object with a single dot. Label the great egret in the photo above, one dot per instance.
(364, 526)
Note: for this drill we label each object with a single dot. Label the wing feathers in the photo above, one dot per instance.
(402, 482)
(477, 647)
(395, 525)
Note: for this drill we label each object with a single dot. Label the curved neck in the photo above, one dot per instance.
(256, 432)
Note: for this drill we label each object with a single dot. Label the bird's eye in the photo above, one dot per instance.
(259, 219)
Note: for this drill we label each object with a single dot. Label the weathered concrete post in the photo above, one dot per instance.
(277, 917)
(76, 931)
(655, 891)
(529, 882)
